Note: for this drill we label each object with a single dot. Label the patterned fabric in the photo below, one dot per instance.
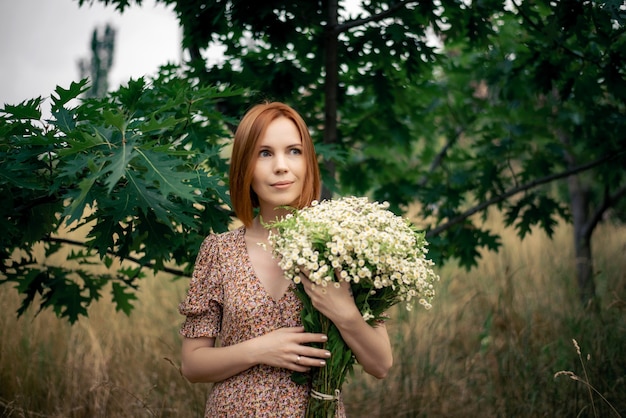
(227, 301)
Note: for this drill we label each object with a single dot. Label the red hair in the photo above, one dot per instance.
(251, 128)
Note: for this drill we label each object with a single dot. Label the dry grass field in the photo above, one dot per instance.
(490, 347)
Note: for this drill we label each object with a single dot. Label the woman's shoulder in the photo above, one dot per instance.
(230, 235)
(223, 239)
(219, 248)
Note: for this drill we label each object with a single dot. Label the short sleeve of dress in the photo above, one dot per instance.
(202, 306)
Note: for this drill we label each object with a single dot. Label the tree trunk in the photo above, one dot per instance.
(579, 205)
(331, 82)
(583, 227)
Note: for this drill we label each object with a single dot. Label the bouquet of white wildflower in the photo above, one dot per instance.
(380, 254)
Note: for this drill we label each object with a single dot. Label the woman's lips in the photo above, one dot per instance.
(282, 184)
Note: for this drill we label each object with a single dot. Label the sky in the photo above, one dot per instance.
(41, 42)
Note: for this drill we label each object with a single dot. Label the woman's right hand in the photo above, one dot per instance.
(288, 348)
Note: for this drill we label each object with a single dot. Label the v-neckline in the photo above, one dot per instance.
(253, 273)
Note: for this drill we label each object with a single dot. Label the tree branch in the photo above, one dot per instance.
(608, 201)
(439, 157)
(41, 200)
(539, 27)
(524, 187)
(135, 260)
(373, 18)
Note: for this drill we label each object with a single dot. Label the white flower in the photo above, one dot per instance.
(367, 316)
(373, 249)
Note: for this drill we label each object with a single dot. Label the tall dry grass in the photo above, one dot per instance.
(497, 335)
(107, 365)
(490, 347)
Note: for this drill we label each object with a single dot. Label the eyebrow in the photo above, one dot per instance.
(296, 145)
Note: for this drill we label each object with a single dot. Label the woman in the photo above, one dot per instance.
(239, 296)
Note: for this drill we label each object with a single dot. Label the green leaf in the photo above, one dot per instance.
(64, 96)
(161, 172)
(28, 109)
(145, 197)
(30, 284)
(64, 296)
(64, 119)
(115, 118)
(85, 196)
(118, 165)
(157, 124)
(85, 143)
(122, 299)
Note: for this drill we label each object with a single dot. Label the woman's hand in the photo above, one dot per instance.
(288, 348)
(335, 302)
(369, 344)
(202, 361)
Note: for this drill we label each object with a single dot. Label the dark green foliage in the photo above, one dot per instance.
(140, 171)
(515, 100)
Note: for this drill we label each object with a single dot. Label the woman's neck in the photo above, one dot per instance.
(260, 223)
(257, 229)
(270, 215)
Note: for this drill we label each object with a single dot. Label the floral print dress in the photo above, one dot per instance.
(227, 301)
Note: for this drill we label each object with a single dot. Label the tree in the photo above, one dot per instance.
(371, 67)
(572, 62)
(460, 127)
(590, 94)
(501, 111)
(97, 68)
(141, 169)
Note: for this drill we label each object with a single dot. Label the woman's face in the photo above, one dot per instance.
(280, 166)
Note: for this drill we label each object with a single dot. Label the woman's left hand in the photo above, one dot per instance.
(369, 344)
(335, 302)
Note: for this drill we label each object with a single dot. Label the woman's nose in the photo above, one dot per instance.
(280, 163)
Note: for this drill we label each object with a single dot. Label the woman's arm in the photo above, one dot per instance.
(370, 344)
(284, 347)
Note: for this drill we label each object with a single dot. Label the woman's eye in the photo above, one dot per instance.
(264, 153)
(296, 151)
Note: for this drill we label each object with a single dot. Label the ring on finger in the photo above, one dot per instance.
(298, 360)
